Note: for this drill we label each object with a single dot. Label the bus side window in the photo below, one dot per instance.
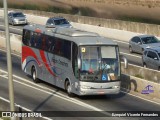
(26, 37)
(38, 40)
(43, 45)
(31, 42)
(50, 44)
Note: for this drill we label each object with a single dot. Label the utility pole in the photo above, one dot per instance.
(9, 60)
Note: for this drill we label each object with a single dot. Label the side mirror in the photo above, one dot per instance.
(79, 63)
(125, 61)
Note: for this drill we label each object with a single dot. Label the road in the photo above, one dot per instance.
(46, 97)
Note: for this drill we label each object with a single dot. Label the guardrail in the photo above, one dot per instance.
(135, 79)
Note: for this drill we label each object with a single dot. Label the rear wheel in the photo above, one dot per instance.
(130, 49)
(34, 75)
(68, 88)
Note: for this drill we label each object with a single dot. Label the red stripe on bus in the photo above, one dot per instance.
(28, 52)
(46, 63)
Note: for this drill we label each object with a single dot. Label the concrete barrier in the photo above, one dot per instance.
(15, 41)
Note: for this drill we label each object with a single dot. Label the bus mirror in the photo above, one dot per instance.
(79, 63)
(125, 61)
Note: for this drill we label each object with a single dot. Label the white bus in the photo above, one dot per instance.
(80, 62)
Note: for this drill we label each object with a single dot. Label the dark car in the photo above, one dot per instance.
(139, 43)
(58, 22)
(17, 18)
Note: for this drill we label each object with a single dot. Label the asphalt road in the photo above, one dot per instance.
(46, 97)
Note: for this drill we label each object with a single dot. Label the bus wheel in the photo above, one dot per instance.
(34, 75)
(68, 88)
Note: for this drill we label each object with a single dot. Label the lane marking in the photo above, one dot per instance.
(24, 108)
(11, 53)
(120, 41)
(12, 28)
(141, 98)
(25, 80)
(59, 95)
(130, 55)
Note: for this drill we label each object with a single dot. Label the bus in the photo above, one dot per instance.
(80, 62)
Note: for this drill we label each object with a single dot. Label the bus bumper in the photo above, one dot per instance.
(99, 89)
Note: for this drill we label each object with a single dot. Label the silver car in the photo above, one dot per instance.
(58, 22)
(139, 43)
(151, 58)
(17, 18)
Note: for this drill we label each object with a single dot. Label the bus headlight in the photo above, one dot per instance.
(115, 87)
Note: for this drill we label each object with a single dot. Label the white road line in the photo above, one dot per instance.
(130, 55)
(24, 108)
(12, 53)
(12, 28)
(75, 101)
(121, 41)
(141, 98)
(61, 96)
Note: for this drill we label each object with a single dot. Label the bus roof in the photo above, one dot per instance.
(78, 36)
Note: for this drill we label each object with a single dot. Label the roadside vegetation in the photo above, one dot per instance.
(87, 9)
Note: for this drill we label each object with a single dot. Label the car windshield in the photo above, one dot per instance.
(61, 22)
(18, 15)
(148, 40)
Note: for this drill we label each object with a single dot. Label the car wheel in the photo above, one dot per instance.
(68, 88)
(159, 68)
(130, 49)
(34, 75)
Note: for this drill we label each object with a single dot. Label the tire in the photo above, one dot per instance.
(68, 88)
(130, 49)
(159, 68)
(34, 75)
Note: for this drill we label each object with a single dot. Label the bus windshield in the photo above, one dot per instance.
(99, 63)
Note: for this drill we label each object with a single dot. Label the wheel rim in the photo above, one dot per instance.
(34, 74)
(69, 88)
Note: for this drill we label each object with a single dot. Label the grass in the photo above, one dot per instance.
(139, 19)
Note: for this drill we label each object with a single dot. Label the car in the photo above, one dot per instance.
(139, 43)
(58, 22)
(151, 58)
(17, 18)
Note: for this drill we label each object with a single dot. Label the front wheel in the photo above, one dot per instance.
(34, 75)
(68, 88)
